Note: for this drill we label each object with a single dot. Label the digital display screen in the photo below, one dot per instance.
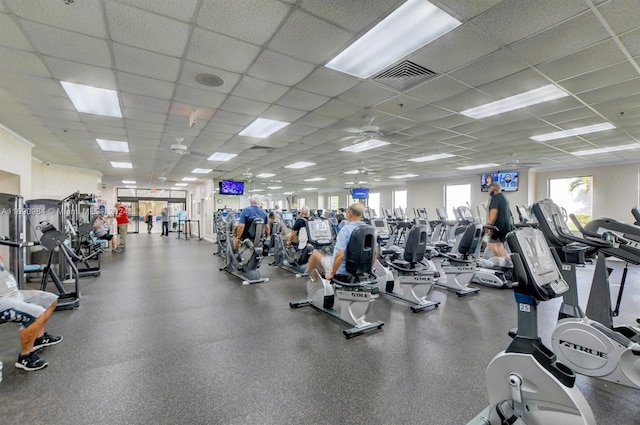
(507, 179)
(360, 193)
(230, 187)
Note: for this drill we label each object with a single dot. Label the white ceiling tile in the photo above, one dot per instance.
(303, 100)
(489, 68)
(316, 120)
(190, 70)
(577, 34)
(145, 86)
(22, 62)
(308, 38)
(427, 113)
(280, 113)
(328, 82)
(242, 120)
(454, 49)
(144, 102)
(619, 90)
(569, 115)
(68, 45)
(79, 73)
(399, 105)
(337, 109)
(223, 128)
(252, 88)
(621, 15)
(465, 100)
(601, 78)
(220, 51)
(12, 36)
(83, 17)
(198, 97)
(587, 60)
(243, 106)
(254, 21)
(145, 126)
(631, 42)
(140, 115)
(512, 20)
(182, 10)
(464, 8)
(149, 64)
(353, 16)
(278, 68)
(437, 89)
(138, 28)
(515, 84)
(367, 94)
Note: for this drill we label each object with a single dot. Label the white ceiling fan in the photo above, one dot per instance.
(367, 131)
(179, 148)
(513, 162)
(362, 169)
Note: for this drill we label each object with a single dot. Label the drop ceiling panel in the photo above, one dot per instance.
(252, 88)
(489, 68)
(302, 100)
(182, 10)
(145, 86)
(197, 97)
(149, 64)
(631, 42)
(230, 54)
(353, 16)
(327, 82)
(243, 106)
(275, 67)
(614, 91)
(190, 70)
(437, 89)
(601, 78)
(621, 15)
(590, 59)
(22, 63)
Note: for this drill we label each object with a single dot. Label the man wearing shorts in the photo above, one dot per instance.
(336, 265)
(31, 309)
(500, 217)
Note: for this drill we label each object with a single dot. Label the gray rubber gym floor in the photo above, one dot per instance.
(163, 337)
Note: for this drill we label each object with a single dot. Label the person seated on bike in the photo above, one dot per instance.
(300, 224)
(31, 309)
(336, 265)
(247, 216)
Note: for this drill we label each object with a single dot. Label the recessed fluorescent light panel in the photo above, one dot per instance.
(403, 176)
(121, 164)
(298, 165)
(265, 175)
(221, 156)
(256, 190)
(263, 128)
(182, 184)
(113, 145)
(522, 100)
(352, 172)
(478, 166)
(202, 170)
(315, 179)
(432, 157)
(92, 100)
(607, 150)
(131, 187)
(310, 188)
(365, 146)
(274, 187)
(411, 26)
(288, 193)
(129, 181)
(189, 179)
(574, 132)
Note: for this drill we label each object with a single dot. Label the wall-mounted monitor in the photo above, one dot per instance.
(360, 193)
(230, 187)
(507, 179)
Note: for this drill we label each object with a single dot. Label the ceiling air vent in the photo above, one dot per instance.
(261, 148)
(404, 76)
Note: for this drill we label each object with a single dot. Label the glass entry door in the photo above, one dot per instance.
(133, 210)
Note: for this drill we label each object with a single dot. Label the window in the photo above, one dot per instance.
(400, 199)
(456, 195)
(334, 203)
(574, 194)
(374, 202)
(301, 202)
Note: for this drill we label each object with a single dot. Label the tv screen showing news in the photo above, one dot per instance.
(360, 193)
(230, 187)
(507, 179)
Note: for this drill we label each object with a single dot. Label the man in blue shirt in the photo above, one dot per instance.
(247, 216)
(336, 265)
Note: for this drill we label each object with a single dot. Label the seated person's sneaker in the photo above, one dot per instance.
(30, 362)
(45, 340)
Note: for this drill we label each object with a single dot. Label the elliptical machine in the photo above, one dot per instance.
(319, 236)
(236, 264)
(355, 296)
(526, 384)
(405, 274)
(460, 269)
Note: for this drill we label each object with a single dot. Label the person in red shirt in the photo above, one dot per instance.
(122, 218)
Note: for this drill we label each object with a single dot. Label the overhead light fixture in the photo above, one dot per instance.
(288, 193)
(202, 170)
(182, 184)
(92, 100)
(432, 157)
(477, 166)
(310, 188)
(129, 181)
(573, 132)
(274, 187)
(113, 145)
(411, 26)
(522, 100)
(265, 175)
(298, 165)
(315, 179)
(131, 187)
(221, 156)
(256, 190)
(365, 146)
(262, 128)
(403, 176)
(189, 179)
(115, 164)
(352, 172)
(606, 150)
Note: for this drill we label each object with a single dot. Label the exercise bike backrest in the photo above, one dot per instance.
(256, 231)
(416, 244)
(470, 239)
(361, 250)
(535, 265)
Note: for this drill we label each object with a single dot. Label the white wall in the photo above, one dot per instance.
(58, 181)
(15, 162)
